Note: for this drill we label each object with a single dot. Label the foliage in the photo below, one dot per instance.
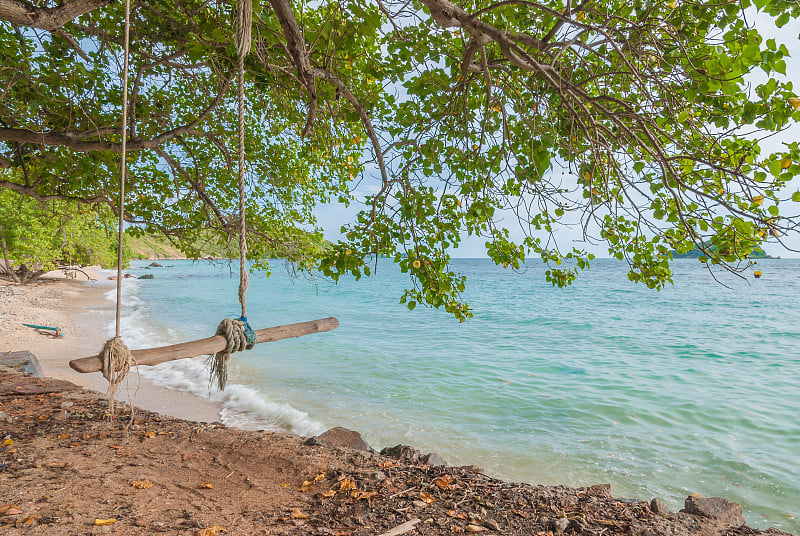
(631, 121)
(56, 232)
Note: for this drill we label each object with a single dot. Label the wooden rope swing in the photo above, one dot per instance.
(232, 334)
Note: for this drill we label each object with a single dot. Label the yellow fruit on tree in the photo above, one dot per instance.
(416, 264)
(785, 163)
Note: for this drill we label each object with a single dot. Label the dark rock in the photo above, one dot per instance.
(560, 525)
(404, 453)
(146, 276)
(340, 438)
(658, 506)
(432, 459)
(602, 491)
(472, 469)
(23, 361)
(726, 513)
(154, 265)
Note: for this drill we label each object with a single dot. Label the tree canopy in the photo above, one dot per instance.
(636, 122)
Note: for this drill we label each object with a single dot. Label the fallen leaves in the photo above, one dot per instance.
(386, 465)
(457, 515)
(210, 531)
(206, 485)
(443, 482)
(298, 514)
(9, 510)
(347, 485)
(475, 528)
(426, 497)
(104, 522)
(142, 484)
(150, 434)
(308, 484)
(29, 520)
(328, 494)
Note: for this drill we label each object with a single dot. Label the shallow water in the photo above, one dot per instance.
(691, 389)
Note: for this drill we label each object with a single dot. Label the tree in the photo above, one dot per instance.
(633, 120)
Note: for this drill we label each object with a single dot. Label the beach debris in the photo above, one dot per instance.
(10, 510)
(402, 528)
(475, 528)
(426, 497)
(560, 525)
(298, 514)
(104, 522)
(206, 485)
(443, 482)
(210, 531)
(142, 484)
(308, 484)
(347, 485)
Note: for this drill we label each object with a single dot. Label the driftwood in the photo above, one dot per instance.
(208, 346)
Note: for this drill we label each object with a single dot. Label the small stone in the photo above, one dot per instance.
(146, 276)
(725, 512)
(154, 265)
(4, 416)
(403, 453)
(339, 437)
(419, 504)
(560, 525)
(432, 459)
(658, 506)
(490, 523)
(599, 490)
(61, 416)
(67, 404)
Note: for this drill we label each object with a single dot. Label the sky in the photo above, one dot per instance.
(332, 217)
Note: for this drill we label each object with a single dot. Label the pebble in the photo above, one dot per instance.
(560, 525)
(67, 404)
(4, 416)
(419, 504)
(61, 416)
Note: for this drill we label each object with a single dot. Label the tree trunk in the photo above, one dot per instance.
(7, 269)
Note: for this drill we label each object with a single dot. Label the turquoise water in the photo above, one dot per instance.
(693, 389)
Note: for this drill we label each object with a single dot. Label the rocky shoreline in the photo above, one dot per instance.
(67, 467)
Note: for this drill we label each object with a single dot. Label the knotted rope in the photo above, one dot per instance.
(240, 336)
(117, 361)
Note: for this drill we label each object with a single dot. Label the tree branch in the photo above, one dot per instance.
(46, 18)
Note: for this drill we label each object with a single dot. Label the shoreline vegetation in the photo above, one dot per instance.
(67, 467)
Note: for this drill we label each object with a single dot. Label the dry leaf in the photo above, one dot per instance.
(142, 484)
(443, 482)
(298, 514)
(29, 521)
(457, 515)
(366, 495)
(210, 531)
(456, 528)
(206, 485)
(64, 436)
(150, 434)
(320, 476)
(347, 485)
(118, 447)
(385, 465)
(13, 511)
(104, 522)
(520, 513)
(475, 528)
(8, 442)
(6, 507)
(328, 494)
(308, 484)
(426, 497)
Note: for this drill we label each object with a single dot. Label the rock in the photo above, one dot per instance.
(432, 459)
(4, 416)
(658, 506)
(599, 490)
(404, 453)
(154, 265)
(67, 404)
(490, 523)
(61, 416)
(146, 276)
(560, 525)
(419, 504)
(472, 469)
(23, 361)
(726, 513)
(341, 438)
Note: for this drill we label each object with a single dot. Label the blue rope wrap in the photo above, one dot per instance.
(249, 334)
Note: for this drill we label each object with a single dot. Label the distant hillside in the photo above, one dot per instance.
(153, 247)
(757, 253)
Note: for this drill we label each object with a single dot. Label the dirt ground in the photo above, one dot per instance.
(67, 468)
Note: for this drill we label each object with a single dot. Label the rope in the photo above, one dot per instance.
(238, 333)
(240, 336)
(244, 21)
(116, 356)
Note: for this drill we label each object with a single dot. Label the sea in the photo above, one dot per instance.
(691, 389)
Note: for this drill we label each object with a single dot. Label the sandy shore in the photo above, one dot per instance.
(86, 317)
